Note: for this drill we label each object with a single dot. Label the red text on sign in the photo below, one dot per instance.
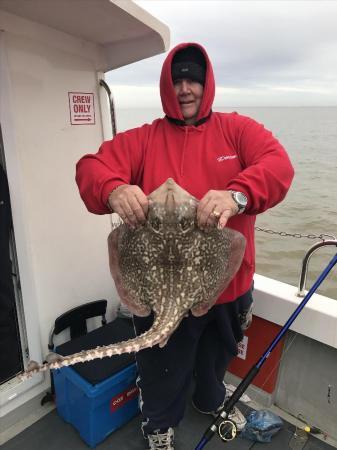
(123, 397)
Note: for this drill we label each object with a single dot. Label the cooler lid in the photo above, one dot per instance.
(100, 369)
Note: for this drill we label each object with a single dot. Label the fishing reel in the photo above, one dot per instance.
(227, 430)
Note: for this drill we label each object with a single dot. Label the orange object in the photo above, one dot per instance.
(258, 337)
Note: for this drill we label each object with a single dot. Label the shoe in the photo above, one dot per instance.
(161, 440)
(235, 415)
(238, 418)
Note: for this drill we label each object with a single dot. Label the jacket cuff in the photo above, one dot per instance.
(106, 191)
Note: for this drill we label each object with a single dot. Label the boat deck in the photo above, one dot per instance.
(52, 433)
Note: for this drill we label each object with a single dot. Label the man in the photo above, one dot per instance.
(237, 169)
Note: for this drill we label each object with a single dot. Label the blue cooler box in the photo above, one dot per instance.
(98, 396)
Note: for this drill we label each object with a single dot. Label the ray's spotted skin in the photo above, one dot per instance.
(167, 265)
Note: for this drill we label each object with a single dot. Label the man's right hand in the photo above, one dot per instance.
(130, 202)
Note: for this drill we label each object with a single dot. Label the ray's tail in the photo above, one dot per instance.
(157, 334)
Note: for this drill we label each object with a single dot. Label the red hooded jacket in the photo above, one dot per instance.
(225, 151)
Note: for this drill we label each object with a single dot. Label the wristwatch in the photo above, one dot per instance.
(240, 199)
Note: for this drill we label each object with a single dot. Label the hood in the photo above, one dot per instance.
(168, 97)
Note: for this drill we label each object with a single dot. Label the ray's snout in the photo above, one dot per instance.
(170, 203)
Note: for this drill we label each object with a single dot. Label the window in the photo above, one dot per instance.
(12, 329)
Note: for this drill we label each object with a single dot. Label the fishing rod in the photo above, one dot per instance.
(225, 427)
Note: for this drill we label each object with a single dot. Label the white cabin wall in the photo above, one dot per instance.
(66, 244)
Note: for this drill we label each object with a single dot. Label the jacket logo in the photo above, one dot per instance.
(226, 157)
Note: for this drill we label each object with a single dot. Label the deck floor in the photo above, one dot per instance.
(52, 433)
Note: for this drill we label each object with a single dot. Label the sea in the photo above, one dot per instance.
(309, 134)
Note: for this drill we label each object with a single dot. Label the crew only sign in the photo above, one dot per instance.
(82, 108)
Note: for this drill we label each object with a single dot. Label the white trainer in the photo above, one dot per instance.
(238, 418)
(235, 415)
(161, 441)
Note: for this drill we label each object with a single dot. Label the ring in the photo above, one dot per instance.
(216, 213)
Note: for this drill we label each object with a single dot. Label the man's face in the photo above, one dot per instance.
(189, 94)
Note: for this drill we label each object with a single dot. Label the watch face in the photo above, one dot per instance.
(241, 198)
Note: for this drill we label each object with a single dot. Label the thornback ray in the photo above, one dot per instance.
(169, 266)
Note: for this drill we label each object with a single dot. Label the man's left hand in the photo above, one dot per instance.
(215, 208)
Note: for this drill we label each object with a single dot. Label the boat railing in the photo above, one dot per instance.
(105, 85)
(305, 263)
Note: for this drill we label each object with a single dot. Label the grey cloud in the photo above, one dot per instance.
(251, 43)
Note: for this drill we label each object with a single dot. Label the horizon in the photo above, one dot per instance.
(279, 53)
(238, 106)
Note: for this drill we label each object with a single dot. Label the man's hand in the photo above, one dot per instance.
(215, 208)
(130, 202)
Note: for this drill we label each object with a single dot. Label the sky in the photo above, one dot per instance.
(264, 53)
